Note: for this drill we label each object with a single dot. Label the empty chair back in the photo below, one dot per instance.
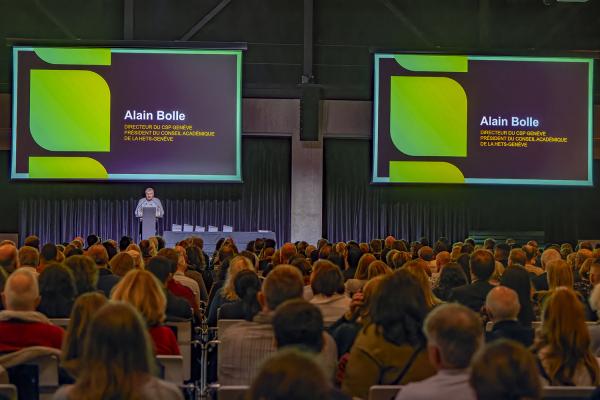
(171, 368)
(383, 392)
(232, 392)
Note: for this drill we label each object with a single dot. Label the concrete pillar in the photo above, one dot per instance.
(307, 189)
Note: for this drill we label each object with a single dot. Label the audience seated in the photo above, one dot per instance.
(450, 277)
(117, 360)
(84, 310)
(505, 370)
(563, 345)
(502, 307)
(106, 279)
(227, 293)
(518, 279)
(327, 283)
(57, 291)
(454, 334)
(177, 307)
(418, 269)
(141, 289)
(361, 276)
(377, 317)
(29, 257)
(541, 281)
(247, 285)
(482, 266)
(391, 349)
(20, 325)
(85, 273)
(594, 302)
(48, 255)
(121, 264)
(291, 375)
(9, 257)
(246, 344)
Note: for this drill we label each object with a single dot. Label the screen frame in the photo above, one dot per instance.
(232, 48)
(565, 56)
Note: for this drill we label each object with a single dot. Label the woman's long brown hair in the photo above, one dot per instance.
(565, 334)
(117, 357)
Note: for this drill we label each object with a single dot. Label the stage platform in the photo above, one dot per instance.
(241, 239)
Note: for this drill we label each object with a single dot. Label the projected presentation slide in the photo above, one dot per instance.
(485, 120)
(126, 114)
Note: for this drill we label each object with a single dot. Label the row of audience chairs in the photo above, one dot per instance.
(384, 392)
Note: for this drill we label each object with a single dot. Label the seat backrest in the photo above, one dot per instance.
(567, 392)
(223, 324)
(183, 332)
(172, 367)
(232, 392)
(384, 392)
(62, 322)
(8, 392)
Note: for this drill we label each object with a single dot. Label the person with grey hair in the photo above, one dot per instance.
(454, 334)
(502, 307)
(541, 281)
(20, 325)
(149, 201)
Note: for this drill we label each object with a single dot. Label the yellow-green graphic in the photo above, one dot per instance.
(428, 116)
(70, 110)
(66, 168)
(425, 172)
(432, 63)
(73, 56)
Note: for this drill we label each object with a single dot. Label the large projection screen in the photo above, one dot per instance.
(134, 114)
(464, 119)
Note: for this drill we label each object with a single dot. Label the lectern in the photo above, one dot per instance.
(148, 222)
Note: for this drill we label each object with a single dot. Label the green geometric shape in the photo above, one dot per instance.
(69, 110)
(425, 172)
(428, 116)
(71, 56)
(66, 168)
(433, 63)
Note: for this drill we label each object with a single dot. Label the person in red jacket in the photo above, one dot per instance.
(141, 289)
(20, 325)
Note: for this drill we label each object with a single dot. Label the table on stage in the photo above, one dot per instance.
(241, 239)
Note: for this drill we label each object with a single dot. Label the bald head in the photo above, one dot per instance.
(9, 257)
(21, 292)
(502, 304)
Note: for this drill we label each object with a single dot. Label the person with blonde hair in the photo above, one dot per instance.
(141, 289)
(84, 309)
(227, 293)
(117, 360)
(121, 264)
(417, 269)
(563, 343)
(377, 268)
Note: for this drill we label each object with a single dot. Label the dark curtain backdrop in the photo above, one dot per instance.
(355, 209)
(57, 212)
